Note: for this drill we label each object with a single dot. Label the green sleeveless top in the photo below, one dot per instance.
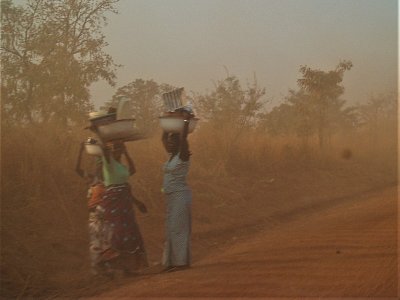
(114, 172)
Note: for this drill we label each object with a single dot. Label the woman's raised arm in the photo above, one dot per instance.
(184, 152)
(131, 164)
(78, 168)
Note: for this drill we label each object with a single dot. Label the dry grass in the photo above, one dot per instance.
(43, 213)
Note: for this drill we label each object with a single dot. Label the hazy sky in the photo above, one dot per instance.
(188, 43)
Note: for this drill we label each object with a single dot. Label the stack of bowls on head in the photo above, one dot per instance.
(119, 130)
(97, 118)
(174, 121)
(111, 129)
(175, 105)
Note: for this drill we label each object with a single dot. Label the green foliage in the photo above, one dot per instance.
(293, 116)
(229, 112)
(316, 108)
(379, 110)
(52, 51)
(379, 115)
(324, 86)
(230, 105)
(323, 90)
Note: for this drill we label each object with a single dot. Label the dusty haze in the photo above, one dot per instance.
(188, 43)
(299, 200)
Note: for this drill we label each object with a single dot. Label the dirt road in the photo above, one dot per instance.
(348, 249)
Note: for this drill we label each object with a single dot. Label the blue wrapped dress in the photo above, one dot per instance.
(178, 218)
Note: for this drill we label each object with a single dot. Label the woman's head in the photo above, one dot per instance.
(115, 149)
(172, 143)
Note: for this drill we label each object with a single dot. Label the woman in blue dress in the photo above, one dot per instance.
(177, 254)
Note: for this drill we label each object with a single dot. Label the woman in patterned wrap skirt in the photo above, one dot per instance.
(177, 255)
(123, 245)
(94, 196)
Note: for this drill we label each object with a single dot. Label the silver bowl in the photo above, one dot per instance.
(123, 130)
(93, 149)
(174, 123)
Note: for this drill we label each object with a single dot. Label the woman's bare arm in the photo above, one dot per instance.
(78, 168)
(184, 152)
(131, 164)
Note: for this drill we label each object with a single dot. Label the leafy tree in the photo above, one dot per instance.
(379, 114)
(322, 90)
(229, 111)
(52, 51)
(293, 116)
(230, 105)
(316, 108)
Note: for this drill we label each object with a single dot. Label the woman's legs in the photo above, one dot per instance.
(178, 229)
(125, 238)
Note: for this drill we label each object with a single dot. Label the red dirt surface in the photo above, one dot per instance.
(346, 247)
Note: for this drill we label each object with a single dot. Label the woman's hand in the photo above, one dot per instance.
(80, 172)
(123, 148)
(184, 152)
(141, 206)
(78, 169)
(132, 168)
(187, 115)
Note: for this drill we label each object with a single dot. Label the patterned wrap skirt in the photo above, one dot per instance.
(178, 229)
(118, 235)
(99, 239)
